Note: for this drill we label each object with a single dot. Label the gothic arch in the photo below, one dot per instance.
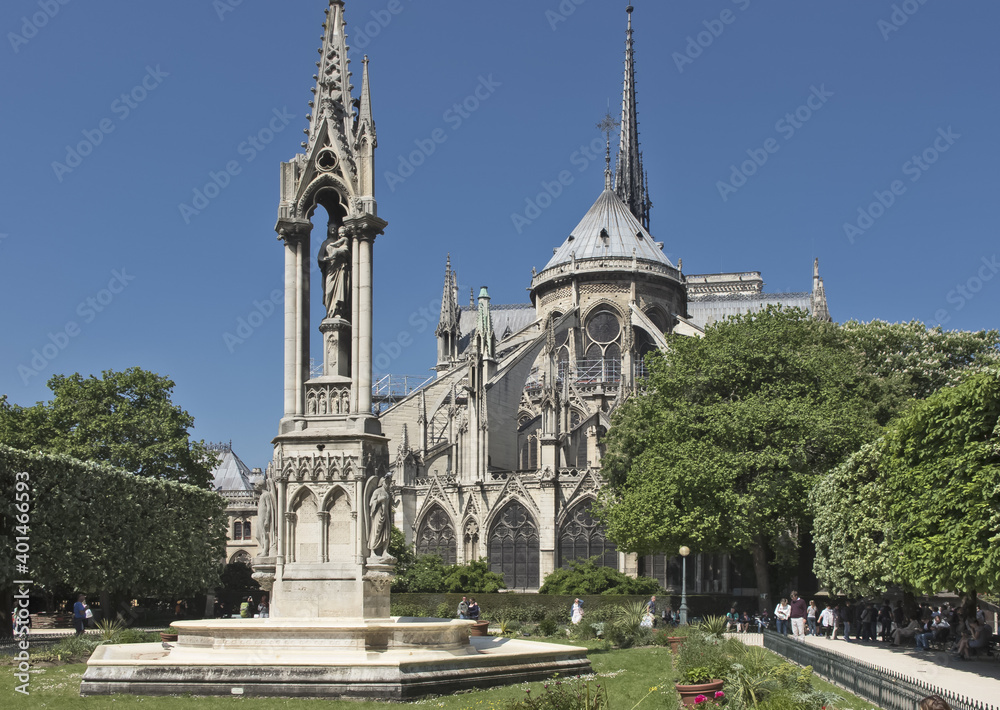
(602, 304)
(334, 491)
(580, 537)
(470, 539)
(303, 527)
(311, 196)
(241, 556)
(436, 535)
(514, 546)
(338, 522)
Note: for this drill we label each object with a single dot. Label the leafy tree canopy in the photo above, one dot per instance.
(124, 419)
(912, 361)
(586, 577)
(851, 528)
(721, 449)
(942, 482)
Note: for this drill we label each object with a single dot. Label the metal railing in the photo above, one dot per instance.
(887, 689)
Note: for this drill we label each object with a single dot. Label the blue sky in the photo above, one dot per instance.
(100, 270)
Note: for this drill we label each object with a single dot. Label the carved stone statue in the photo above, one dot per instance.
(335, 263)
(267, 519)
(380, 516)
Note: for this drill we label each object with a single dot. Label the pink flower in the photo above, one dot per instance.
(700, 699)
(719, 695)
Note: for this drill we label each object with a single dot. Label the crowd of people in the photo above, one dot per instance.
(943, 625)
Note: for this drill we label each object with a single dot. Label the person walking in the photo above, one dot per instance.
(651, 609)
(264, 608)
(463, 609)
(797, 614)
(473, 609)
(826, 620)
(782, 613)
(847, 615)
(576, 613)
(80, 610)
(811, 614)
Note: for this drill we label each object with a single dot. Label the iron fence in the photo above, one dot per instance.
(883, 687)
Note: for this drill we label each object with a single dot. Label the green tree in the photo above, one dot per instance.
(124, 419)
(912, 361)
(473, 578)
(851, 528)
(587, 577)
(942, 483)
(721, 449)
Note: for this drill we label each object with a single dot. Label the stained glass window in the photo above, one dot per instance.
(436, 536)
(514, 547)
(581, 537)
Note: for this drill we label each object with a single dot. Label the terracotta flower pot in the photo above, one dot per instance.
(479, 628)
(690, 692)
(168, 637)
(676, 642)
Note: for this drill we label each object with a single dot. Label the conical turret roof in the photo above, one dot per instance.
(609, 230)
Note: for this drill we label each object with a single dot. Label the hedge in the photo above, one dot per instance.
(98, 528)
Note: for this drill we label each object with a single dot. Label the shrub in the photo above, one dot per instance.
(547, 627)
(563, 695)
(403, 609)
(444, 611)
(583, 631)
(701, 652)
(137, 636)
(586, 577)
(713, 626)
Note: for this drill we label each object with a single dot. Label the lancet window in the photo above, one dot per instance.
(582, 537)
(513, 547)
(436, 536)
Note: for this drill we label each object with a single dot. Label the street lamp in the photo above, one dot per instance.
(685, 551)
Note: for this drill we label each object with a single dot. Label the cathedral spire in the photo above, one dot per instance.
(448, 331)
(333, 77)
(629, 176)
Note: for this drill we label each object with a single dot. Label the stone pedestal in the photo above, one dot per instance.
(393, 659)
(336, 347)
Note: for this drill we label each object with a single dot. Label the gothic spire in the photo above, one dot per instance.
(485, 339)
(449, 302)
(629, 176)
(333, 78)
(365, 120)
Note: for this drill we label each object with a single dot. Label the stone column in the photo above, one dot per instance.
(355, 320)
(290, 536)
(324, 535)
(291, 301)
(281, 531)
(302, 320)
(364, 229)
(364, 325)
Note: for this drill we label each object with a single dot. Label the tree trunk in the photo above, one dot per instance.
(910, 607)
(6, 608)
(969, 601)
(758, 550)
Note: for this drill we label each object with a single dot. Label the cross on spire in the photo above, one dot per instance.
(607, 126)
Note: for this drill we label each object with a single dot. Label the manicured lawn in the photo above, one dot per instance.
(627, 674)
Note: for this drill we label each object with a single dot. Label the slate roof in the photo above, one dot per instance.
(231, 474)
(609, 229)
(705, 310)
(507, 320)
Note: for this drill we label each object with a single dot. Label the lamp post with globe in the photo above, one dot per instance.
(685, 551)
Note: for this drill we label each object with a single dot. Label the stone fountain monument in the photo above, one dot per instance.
(325, 509)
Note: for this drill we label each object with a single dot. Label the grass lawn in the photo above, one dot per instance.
(627, 674)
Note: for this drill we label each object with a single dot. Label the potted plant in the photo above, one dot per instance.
(702, 663)
(169, 635)
(698, 683)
